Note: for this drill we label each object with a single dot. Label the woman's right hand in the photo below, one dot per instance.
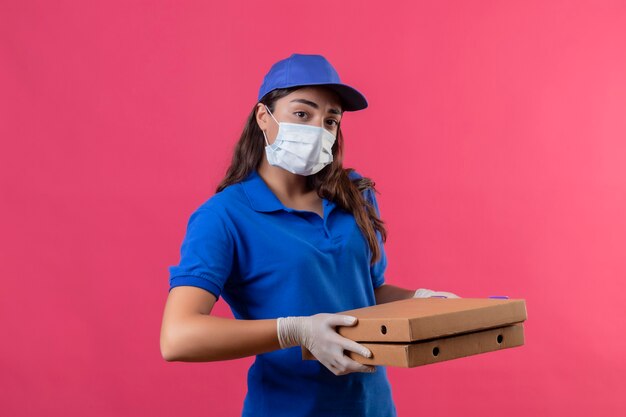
(317, 333)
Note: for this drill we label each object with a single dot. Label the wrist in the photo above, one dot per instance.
(289, 331)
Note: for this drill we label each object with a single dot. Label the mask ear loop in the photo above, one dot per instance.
(264, 135)
(268, 110)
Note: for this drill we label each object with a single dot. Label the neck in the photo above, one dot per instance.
(282, 182)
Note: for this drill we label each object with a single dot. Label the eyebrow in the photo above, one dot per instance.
(315, 106)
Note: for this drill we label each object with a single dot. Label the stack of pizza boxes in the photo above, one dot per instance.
(421, 331)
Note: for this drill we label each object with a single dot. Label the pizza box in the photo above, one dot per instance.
(427, 318)
(420, 331)
(409, 355)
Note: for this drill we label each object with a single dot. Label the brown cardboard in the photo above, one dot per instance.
(409, 355)
(419, 331)
(427, 318)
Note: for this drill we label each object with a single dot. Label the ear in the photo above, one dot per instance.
(262, 116)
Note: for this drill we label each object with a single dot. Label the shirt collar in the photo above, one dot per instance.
(259, 194)
(262, 198)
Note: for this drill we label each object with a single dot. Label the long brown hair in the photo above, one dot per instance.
(332, 182)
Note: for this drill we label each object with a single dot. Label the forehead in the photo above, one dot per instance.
(320, 95)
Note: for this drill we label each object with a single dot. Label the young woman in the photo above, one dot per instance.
(289, 239)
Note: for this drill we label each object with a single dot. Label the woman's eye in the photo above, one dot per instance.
(332, 122)
(300, 114)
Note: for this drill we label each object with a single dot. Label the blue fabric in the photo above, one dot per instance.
(305, 70)
(267, 261)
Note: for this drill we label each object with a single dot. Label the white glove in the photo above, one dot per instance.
(425, 293)
(317, 334)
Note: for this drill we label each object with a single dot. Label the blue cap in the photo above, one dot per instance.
(303, 70)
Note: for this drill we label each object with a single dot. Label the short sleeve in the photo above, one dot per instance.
(206, 254)
(377, 270)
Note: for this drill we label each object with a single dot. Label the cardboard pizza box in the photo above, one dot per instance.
(409, 355)
(419, 331)
(427, 318)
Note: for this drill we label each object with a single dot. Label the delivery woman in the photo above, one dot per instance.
(289, 239)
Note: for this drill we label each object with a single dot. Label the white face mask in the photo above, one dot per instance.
(299, 148)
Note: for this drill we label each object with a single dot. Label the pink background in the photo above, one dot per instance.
(496, 134)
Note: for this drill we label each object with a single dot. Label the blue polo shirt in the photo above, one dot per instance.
(267, 261)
